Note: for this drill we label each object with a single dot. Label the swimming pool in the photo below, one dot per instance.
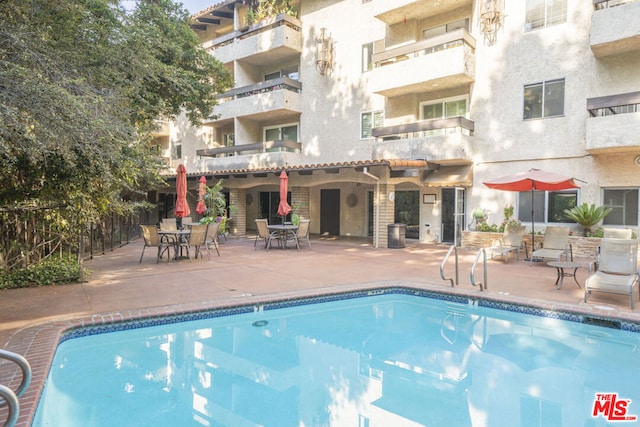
(390, 357)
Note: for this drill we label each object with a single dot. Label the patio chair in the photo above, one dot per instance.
(617, 269)
(617, 233)
(212, 235)
(197, 239)
(263, 233)
(152, 240)
(302, 233)
(555, 245)
(168, 224)
(511, 241)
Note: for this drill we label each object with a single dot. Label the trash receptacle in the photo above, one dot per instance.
(396, 235)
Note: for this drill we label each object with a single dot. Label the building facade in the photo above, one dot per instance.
(396, 111)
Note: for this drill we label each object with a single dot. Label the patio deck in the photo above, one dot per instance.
(120, 288)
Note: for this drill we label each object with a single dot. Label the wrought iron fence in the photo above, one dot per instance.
(29, 235)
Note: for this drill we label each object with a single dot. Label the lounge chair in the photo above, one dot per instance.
(152, 240)
(263, 233)
(555, 245)
(302, 233)
(617, 269)
(617, 233)
(511, 241)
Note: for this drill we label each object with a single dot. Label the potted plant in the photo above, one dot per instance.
(587, 216)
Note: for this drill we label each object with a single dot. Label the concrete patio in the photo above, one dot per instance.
(120, 288)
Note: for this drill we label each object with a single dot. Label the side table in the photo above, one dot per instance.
(561, 266)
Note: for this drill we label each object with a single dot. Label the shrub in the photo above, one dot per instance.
(48, 272)
(587, 215)
(486, 227)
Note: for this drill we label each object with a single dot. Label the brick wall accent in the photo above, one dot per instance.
(582, 247)
(300, 199)
(386, 214)
(238, 199)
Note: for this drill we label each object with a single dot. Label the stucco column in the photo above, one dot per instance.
(238, 199)
(386, 211)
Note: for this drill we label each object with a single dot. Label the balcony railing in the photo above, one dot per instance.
(282, 145)
(255, 29)
(263, 87)
(605, 4)
(449, 40)
(425, 128)
(614, 104)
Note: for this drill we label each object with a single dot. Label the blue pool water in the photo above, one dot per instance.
(383, 360)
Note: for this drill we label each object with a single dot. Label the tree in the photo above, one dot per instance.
(81, 84)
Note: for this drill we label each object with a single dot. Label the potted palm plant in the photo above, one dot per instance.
(587, 216)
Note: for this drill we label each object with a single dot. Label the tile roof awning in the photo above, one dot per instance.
(450, 176)
(393, 164)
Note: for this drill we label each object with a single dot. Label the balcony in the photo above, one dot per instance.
(396, 11)
(261, 155)
(440, 62)
(272, 99)
(615, 27)
(614, 124)
(161, 128)
(438, 140)
(271, 41)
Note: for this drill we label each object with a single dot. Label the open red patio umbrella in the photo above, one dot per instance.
(283, 207)
(201, 208)
(182, 207)
(532, 180)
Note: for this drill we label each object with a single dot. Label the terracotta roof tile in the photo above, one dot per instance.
(392, 163)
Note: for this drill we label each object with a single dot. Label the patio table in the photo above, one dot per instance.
(282, 231)
(176, 237)
(561, 266)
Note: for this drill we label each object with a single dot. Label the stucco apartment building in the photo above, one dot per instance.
(396, 111)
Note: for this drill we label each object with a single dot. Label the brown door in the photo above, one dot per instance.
(330, 212)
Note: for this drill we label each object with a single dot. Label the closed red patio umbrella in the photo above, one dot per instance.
(283, 207)
(531, 180)
(182, 207)
(201, 208)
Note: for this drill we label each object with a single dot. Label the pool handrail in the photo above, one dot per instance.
(14, 407)
(473, 269)
(453, 248)
(9, 396)
(24, 366)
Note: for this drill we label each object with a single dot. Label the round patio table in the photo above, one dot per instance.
(561, 267)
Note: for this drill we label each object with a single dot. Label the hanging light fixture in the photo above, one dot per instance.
(324, 52)
(491, 19)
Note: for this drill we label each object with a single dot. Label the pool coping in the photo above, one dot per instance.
(38, 343)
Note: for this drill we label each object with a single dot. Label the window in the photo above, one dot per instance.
(443, 29)
(624, 203)
(443, 109)
(367, 57)
(287, 132)
(291, 72)
(177, 150)
(369, 121)
(543, 13)
(548, 206)
(544, 99)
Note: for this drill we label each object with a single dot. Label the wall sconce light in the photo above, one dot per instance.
(491, 19)
(324, 52)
